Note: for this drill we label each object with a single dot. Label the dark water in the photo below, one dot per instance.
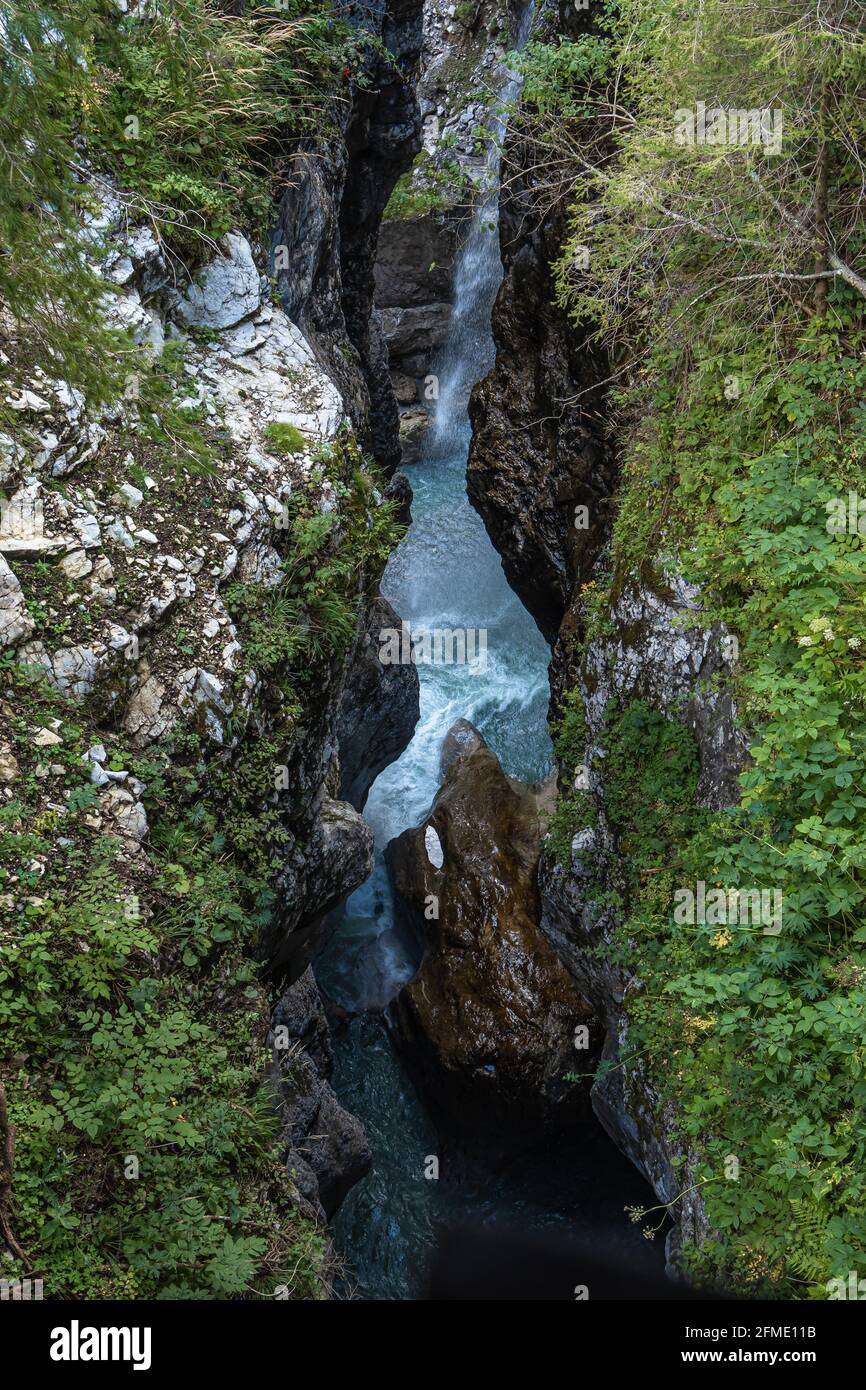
(388, 1226)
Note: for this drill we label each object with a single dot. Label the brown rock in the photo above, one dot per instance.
(489, 1020)
(405, 389)
(414, 425)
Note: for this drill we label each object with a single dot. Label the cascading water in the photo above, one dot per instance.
(447, 575)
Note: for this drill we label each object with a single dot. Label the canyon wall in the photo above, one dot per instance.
(543, 474)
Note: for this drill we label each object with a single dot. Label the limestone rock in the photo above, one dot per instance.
(145, 719)
(15, 621)
(229, 288)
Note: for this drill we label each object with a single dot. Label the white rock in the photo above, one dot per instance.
(144, 717)
(15, 621)
(75, 669)
(87, 530)
(229, 288)
(128, 814)
(433, 846)
(8, 764)
(44, 738)
(118, 532)
(10, 455)
(75, 565)
(127, 495)
(28, 400)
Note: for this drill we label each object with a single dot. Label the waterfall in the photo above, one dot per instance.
(469, 352)
(447, 575)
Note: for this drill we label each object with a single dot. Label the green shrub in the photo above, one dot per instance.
(284, 439)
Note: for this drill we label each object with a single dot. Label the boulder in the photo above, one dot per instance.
(489, 1022)
(414, 424)
(413, 331)
(229, 288)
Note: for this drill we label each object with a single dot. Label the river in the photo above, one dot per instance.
(447, 575)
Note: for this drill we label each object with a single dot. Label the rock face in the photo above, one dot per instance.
(379, 711)
(661, 655)
(461, 68)
(540, 471)
(489, 1022)
(414, 270)
(229, 290)
(463, 48)
(327, 1150)
(324, 245)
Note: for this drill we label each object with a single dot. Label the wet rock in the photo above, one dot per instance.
(489, 1021)
(462, 738)
(414, 425)
(316, 877)
(414, 273)
(399, 490)
(415, 261)
(415, 331)
(327, 1148)
(405, 389)
(379, 708)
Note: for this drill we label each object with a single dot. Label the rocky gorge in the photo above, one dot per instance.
(335, 326)
(349, 944)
